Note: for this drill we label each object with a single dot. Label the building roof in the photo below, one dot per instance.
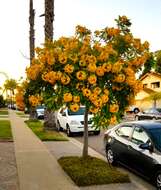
(150, 73)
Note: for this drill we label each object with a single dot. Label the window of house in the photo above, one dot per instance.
(145, 85)
(155, 85)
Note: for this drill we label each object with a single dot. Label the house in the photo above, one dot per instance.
(151, 83)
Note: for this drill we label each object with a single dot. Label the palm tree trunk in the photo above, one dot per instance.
(50, 119)
(85, 145)
(32, 47)
(32, 31)
(49, 18)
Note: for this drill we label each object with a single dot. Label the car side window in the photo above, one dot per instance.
(139, 136)
(124, 131)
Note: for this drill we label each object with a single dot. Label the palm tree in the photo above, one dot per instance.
(10, 84)
(49, 18)
(50, 116)
(33, 114)
(32, 31)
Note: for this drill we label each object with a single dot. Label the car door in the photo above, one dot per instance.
(62, 118)
(121, 141)
(141, 159)
(146, 114)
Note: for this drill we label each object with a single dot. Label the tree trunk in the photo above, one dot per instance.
(49, 120)
(32, 31)
(155, 103)
(50, 116)
(85, 145)
(49, 18)
(33, 114)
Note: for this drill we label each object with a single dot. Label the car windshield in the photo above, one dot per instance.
(79, 112)
(40, 107)
(156, 137)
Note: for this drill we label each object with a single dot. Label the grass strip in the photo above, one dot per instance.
(91, 171)
(44, 135)
(3, 112)
(5, 130)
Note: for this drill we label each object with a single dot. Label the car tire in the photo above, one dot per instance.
(110, 155)
(68, 131)
(96, 132)
(158, 179)
(137, 118)
(136, 110)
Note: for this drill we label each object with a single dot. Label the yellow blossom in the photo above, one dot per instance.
(69, 68)
(67, 97)
(76, 99)
(100, 71)
(74, 107)
(81, 75)
(92, 79)
(86, 92)
(65, 79)
(114, 108)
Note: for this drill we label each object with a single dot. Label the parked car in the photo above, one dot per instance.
(133, 109)
(136, 145)
(152, 113)
(40, 111)
(73, 122)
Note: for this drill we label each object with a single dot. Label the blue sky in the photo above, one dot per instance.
(95, 14)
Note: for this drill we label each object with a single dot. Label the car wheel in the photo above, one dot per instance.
(136, 110)
(111, 158)
(69, 133)
(96, 132)
(137, 118)
(158, 179)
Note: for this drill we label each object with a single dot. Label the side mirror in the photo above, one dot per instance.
(146, 146)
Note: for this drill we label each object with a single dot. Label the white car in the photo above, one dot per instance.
(73, 122)
(133, 109)
(40, 111)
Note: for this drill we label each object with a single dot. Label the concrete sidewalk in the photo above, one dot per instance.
(37, 168)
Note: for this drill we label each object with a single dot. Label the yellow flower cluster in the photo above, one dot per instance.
(34, 100)
(112, 31)
(33, 71)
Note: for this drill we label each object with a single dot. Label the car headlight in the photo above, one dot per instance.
(73, 122)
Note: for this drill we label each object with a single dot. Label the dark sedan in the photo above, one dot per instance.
(153, 113)
(137, 145)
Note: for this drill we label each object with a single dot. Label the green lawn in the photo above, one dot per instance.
(3, 112)
(37, 128)
(91, 171)
(22, 114)
(5, 130)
